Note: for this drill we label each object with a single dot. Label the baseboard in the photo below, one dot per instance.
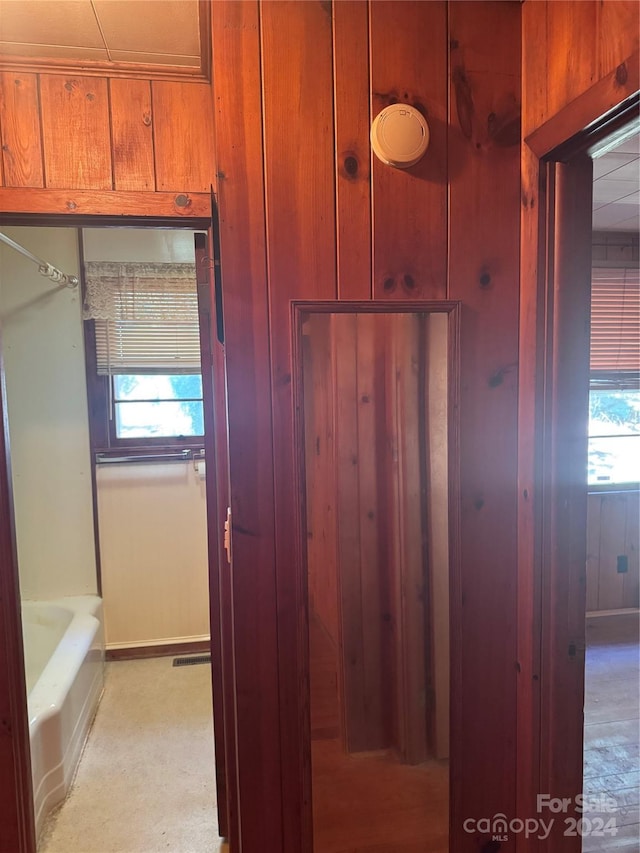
(158, 650)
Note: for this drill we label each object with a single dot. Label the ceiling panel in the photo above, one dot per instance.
(163, 26)
(129, 32)
(616, 196)
(64, 22)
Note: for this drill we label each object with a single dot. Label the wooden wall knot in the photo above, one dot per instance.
(485, 279)
(350, 164)
(408, 282)
(622, 75)
(497, 378)
(389, 285)
(146, 119)
(464, 101)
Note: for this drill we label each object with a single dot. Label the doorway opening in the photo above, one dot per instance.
(612, 660)
(111, 526)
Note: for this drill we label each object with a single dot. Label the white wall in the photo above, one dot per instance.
(48, 424)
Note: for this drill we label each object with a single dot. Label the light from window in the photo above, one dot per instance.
(158, 405)
(614, 437)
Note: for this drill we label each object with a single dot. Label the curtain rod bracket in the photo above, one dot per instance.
(46, 269)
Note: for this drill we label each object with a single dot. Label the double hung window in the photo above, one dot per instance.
(144, 353)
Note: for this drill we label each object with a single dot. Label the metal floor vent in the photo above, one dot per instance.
(191, 661)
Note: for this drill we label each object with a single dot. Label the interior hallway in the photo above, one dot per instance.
(145, 782)
(612, 727)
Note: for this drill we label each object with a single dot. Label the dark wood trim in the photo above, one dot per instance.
(163, 650)
(611, 101)
(112, 206)
(563, 497)
(89, 349)
(210, 381)
(17, 827)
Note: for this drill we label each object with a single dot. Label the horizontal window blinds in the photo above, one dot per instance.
(615, 321)
(146, 317)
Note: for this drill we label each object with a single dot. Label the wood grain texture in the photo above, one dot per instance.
(631, 586)
(353, 155)
(300, 209)
(75, 132)
(484, 224)
(409, 237)
(571, 60)
(594, 518)
(106, 203)
(20, 135)
(132, 134)
(183, 136)
(618, 28)
(236, 42)
(613, 521)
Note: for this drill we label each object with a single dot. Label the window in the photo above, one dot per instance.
(614, 397)
(143, 355)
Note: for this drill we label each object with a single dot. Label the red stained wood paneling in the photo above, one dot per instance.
(618, 28)
(183, 135)
(408, 64)
(132, 134)
(106, 203)
(353, 155)
(300, 206)
(21, 143)
(484, 180)
(242, 238)
(75, 132)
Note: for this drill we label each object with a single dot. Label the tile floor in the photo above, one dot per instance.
(145, 783)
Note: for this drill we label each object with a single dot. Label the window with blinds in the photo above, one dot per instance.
(614, 398)
(615, 323)
(147, 348)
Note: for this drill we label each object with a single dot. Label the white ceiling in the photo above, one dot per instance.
(616, 188)
(158, 32)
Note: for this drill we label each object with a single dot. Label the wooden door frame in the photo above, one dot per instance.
(16, 807)
(554, 381)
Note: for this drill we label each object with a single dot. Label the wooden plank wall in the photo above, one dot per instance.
(62, 131)
(447, 228)
(613, 524)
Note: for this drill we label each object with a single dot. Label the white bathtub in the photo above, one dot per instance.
(64, 662)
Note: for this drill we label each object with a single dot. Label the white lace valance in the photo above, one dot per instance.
(116, 291)
(146, 317)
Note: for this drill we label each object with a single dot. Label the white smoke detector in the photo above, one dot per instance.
(399, 136)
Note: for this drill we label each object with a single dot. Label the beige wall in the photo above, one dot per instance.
(153, 547)
(48, 423)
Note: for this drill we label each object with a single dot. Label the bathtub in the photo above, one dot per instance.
(64, 664)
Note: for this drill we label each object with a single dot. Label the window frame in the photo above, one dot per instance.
(102, 421)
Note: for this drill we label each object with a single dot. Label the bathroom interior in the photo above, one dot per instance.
(111, 540)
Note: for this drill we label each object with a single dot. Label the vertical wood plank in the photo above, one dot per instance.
(484, 213)
(348, 526)
(183, 135)
(238, 116)
(353, 157)
(618, 25)
(299, 185)
(131, 134)
(368, 400)
(534, 61)
(21, 133)
(572, 55)
(594, 506)
(631, 582)
(408, 65)
(613, 522)
(75, 132)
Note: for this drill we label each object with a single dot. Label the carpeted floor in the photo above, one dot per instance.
(145, 782)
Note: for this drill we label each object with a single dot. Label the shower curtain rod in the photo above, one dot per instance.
(44, 268)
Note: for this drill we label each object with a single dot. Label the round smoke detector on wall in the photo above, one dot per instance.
(399, 136)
